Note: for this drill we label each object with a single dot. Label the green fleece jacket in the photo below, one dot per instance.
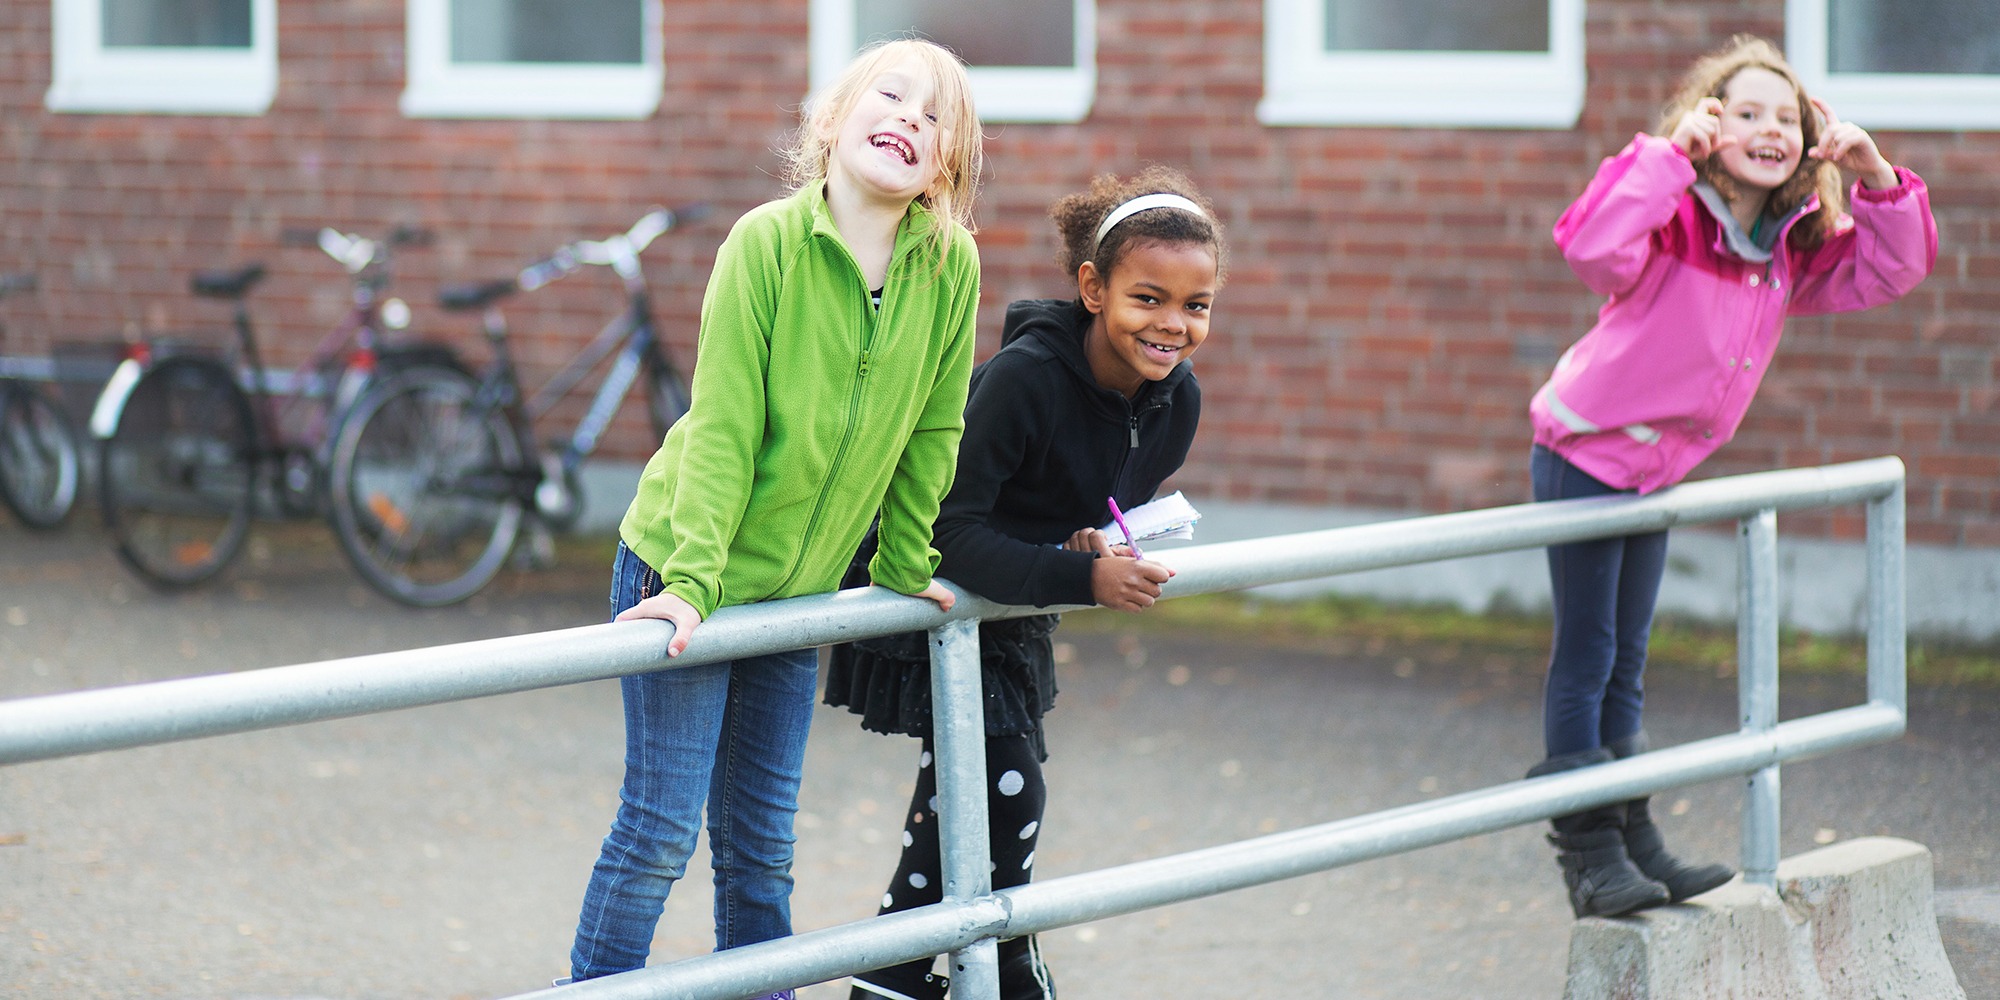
(812, 412)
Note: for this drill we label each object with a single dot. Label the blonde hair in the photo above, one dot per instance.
(961, 146)
(1709, 77)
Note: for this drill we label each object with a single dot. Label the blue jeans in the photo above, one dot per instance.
(730, 735)
(1604, 593)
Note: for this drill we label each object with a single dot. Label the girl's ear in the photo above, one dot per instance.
(1090, 287)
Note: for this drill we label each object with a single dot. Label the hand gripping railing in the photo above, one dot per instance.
(972, 917)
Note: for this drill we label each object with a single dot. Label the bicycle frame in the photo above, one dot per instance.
(631, 335)
(354, 336)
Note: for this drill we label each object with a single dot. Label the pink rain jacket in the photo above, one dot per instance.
(1696, 308)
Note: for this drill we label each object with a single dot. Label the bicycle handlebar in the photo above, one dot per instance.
(620, 252)
(355, 253)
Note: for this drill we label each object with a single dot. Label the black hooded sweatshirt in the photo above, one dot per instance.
(1044, 447)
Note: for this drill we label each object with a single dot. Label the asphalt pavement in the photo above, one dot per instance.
(442, 852)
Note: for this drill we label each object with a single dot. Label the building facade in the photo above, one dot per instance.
(1388, 183)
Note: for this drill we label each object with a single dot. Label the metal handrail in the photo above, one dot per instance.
(972, 917)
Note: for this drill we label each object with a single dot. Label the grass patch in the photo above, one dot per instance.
(1350, 625)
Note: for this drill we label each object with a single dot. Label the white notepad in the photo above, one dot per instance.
(1170, 516)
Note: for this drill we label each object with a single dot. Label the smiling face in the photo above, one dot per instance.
(887, 145)
(1152, 312)
(1761, 110)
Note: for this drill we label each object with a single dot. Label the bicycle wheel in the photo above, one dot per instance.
(667, 396)
(39, 457)
(428, 488)
(178, 473)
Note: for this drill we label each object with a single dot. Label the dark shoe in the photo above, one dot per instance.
(1022, 974)
(911, 981)
(1649, 853)
(1590, 845)
(1601, 878)
(1649, 850)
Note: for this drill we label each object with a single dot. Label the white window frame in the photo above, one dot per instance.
(1306, 85)
(1000, 93)
(438, 87)
(87, 75)
(1926, 102)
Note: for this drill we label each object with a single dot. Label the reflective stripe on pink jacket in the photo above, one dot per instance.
(1665, 376)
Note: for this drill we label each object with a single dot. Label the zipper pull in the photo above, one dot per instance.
(864, 371)
(1135, 430)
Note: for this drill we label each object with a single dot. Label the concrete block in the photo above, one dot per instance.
(1853, 921)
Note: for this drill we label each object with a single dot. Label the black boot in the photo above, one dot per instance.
(1602, 880)
(1649, 850)
(1022, 974)
(909, 981)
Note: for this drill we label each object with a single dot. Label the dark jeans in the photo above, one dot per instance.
(1604, 593)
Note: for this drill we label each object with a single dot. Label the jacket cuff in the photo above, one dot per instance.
(1073, 582)
(1906, 182)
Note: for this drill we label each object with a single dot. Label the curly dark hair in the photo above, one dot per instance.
(1078, 215)
(1709, 77)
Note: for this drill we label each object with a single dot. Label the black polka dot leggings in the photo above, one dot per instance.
(1015, 797)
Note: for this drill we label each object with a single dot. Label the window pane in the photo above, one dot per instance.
(547, 31)
(1913, 36)
(177, 22)
(1016, 33)
(1437, 25)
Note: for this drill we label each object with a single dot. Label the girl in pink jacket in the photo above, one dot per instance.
(1703, 241)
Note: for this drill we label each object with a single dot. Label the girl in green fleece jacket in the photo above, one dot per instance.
(836, 343)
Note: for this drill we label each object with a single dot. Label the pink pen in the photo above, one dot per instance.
(1118, 518)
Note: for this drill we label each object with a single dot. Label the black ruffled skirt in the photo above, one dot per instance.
(887, 681)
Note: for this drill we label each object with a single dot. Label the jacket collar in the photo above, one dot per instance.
(1732, 239)
(916, 225)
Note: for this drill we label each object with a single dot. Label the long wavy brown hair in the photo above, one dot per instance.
(1709, 77)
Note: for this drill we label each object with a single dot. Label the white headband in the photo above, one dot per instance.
(1141, 204)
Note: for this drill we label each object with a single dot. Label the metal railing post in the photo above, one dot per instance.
(1886, 602)
(1757, 685)
(958, 731)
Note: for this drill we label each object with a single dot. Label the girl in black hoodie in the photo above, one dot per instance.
(1087, 399)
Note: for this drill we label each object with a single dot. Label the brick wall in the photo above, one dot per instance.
(1394, 296)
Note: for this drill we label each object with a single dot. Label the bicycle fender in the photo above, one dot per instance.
(111, 401)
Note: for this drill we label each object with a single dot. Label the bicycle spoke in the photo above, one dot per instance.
(178, 474)
(426, 500)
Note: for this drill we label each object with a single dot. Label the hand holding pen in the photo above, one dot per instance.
(1118, 580)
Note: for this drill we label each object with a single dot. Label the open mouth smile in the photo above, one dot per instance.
(1161, 350)
(1771, 157)
(895, 144)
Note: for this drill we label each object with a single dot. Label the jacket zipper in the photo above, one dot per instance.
(846, 438)
(1132, 417)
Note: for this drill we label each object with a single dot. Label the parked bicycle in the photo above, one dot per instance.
(192, 451)
(434, 473)
(39, 453)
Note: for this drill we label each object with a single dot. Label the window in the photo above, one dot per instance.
(1029, 60)
(1909, 64)
(1492, 63)
(534, 58)
(169, 56)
